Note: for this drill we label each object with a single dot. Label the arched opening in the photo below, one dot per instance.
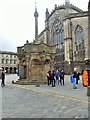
(6, 69)
(47, 67)
(10, 70)
(25, 71)
(79, 37)
(14, 70)
(58, 36)
(79, 43)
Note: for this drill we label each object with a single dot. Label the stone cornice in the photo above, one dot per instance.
(8, 52)
(74, 15)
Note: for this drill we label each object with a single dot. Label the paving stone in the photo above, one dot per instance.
(20, 102)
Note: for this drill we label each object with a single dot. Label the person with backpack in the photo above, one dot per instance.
(57, 77)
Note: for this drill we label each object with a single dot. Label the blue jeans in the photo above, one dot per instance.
(74, 83)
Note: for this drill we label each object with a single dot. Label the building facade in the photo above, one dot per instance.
(67, 27)
(8, 61)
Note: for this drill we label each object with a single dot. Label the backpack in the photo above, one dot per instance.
(48, 75)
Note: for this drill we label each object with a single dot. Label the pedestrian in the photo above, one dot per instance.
(85, 78)
(48, 78)
(74, 77)
(78, 77)
(57, 77)
(52, 78)
(3, 79)
(62, 77)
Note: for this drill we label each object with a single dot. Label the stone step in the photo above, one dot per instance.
(20, 82)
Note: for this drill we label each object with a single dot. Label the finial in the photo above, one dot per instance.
(47, 13)
(36, 13)
(55, 6)
(35, 6)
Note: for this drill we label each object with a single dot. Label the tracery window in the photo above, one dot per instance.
(79, 37)
(58, 36)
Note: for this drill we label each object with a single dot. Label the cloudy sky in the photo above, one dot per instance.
(17, 20)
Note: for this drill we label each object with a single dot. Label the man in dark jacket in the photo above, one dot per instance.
(78, 77)
(3, 79)
(52, 78)
(62, 77)
(49, 78)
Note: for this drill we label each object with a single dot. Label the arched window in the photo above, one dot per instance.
(79, 37)
(58, 35)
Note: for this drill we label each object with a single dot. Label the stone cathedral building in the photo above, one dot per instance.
(64, 43)
(67, 27)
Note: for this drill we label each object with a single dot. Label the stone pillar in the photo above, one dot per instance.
(68, 43)
(27, 60)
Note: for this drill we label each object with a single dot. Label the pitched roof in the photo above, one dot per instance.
(64, 7)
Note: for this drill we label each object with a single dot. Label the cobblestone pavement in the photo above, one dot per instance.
(29, 101)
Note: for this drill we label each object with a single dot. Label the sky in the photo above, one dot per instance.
(17, 22)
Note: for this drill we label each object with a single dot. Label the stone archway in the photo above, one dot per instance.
(47, 67)
(6, 69)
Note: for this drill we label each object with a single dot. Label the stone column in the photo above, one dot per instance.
(36, 24)
(89, 30)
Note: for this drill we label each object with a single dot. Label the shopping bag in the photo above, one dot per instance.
(71, 79)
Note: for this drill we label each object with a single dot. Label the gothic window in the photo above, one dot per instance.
(58, 36)
(79, 37)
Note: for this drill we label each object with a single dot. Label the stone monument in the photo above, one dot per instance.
(35, 60)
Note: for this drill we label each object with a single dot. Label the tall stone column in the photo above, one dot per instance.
(89, 30)
(36, 24)
(27, 60)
